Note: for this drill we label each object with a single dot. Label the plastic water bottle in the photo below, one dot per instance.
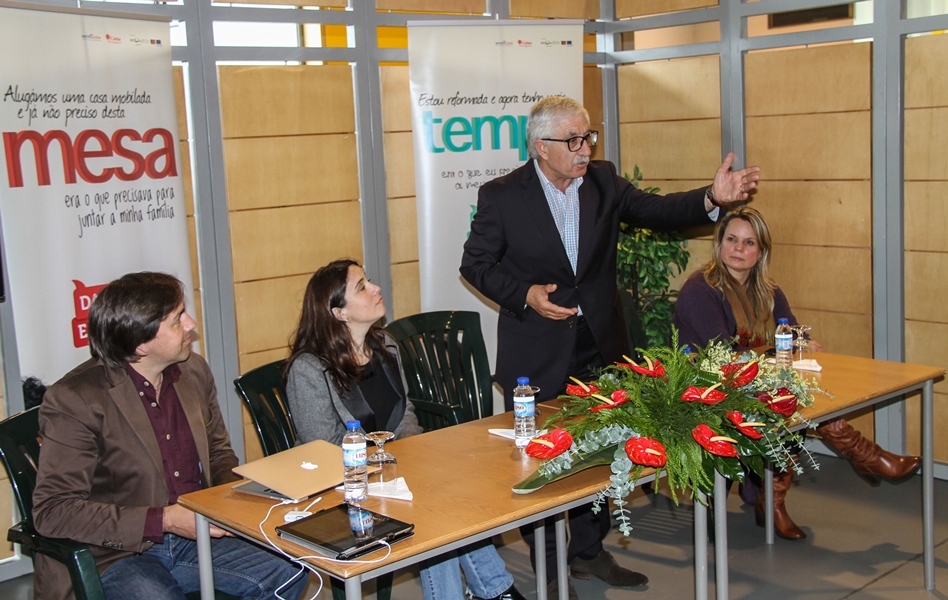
(354, 469)
(525, 421)
(783, 342)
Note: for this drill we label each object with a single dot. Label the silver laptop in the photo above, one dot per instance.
(293, 474)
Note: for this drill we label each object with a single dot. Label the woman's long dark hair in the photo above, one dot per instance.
(321, 334)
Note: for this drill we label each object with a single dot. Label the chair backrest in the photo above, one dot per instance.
(445, 360)
(264, 393)
(19, 450)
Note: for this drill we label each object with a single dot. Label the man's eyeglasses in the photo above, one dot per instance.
(575, 143)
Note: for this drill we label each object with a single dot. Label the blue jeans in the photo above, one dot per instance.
(484, 570)
(170, 570)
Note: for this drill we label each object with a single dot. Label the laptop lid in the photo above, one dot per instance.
(294, 474)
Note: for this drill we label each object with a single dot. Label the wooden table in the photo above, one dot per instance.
(860, 382)
(461, 478)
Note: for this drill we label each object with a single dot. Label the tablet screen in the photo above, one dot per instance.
(345, 531)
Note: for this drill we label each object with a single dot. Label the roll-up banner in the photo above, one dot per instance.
(472, 86)
(91, 186)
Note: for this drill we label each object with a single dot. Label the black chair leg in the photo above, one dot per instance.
(384, 591)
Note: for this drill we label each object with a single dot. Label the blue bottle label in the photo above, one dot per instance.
(523, 406)
(353, 455)
(784, 341)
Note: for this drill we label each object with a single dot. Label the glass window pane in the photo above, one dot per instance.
(280, 35)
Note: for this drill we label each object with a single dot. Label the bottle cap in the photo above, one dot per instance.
(783, 321)
(353, 424)
(523, 381)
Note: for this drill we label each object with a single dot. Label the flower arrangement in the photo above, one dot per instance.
(689, 414)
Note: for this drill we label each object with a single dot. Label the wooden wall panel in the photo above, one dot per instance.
(830, 279)
(396, 98)
(278, 100)
(839, 333)
(926, 286)
(253, 360)
(639, 8)
(926, 212)
(592, 96)
(672, 149)
(293, 240)
(181, 103)
(925, 345)
(399, 164)
(268, 311)
(824, 213)
(913, 417)
(816, 146)
(666, 90)
(926, 138)
(820, 79)
(291, 170)
(558, 9)
(403, 230)
(925, 81)
(406, 290)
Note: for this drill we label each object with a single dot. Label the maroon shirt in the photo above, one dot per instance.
(179, 454)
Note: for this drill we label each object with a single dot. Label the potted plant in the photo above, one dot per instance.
(646, 262)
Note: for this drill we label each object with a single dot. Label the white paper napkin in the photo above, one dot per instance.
(398, 491)
(807, 364)
(509, 433)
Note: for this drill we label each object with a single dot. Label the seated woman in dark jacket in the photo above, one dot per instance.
(343, 366)
(733, 298)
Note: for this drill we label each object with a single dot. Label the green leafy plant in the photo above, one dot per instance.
(646, 262)
(688, 415)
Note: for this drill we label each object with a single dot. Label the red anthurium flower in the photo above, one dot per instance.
(741, 374)
(784, 403)
(646, 451)
(580, 389)
(705, 395)
(652, 368)
(747, 428)
(549, 445)
(713, 443)
(616, 398)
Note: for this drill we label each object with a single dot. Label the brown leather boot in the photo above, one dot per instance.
(783, 524)
(866, 456)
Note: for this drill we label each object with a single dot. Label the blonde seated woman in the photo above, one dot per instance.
(733, 298)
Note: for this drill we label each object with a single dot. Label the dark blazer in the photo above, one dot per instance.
(514, 244)
(100, 465)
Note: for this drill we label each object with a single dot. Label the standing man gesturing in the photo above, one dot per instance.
(543, 246)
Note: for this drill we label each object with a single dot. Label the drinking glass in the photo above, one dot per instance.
(800, 341)
(383, 460)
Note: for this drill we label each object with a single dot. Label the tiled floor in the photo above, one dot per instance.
(864, 543)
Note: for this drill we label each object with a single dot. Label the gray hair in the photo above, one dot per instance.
(544, 116)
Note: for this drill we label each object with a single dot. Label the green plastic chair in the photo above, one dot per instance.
(20, 452)
(445, 361)
(264, 394)
(432, 415)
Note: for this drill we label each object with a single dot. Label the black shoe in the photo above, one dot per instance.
(553, 590)
(606, 568)
(510, 593)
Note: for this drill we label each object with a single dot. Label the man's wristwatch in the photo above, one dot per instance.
(710, 196)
